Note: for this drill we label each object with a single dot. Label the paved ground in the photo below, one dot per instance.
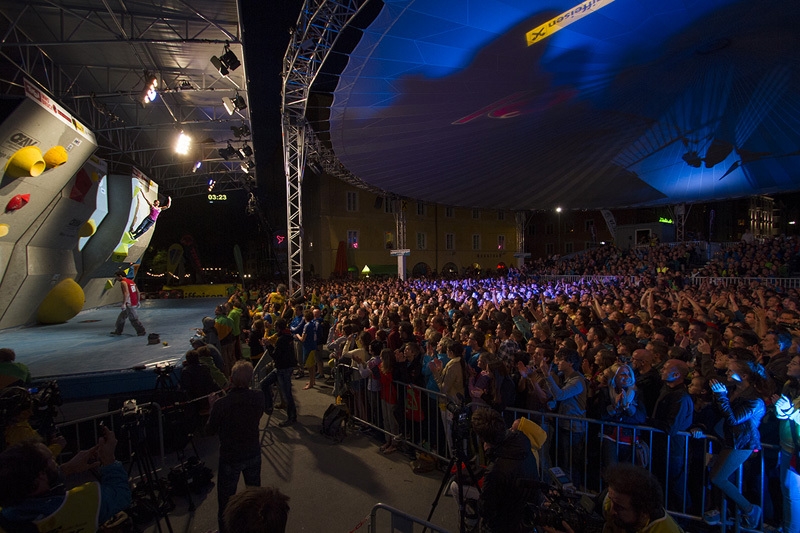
(332, 486)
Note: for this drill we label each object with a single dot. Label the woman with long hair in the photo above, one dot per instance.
(623, 405)
(742, 411)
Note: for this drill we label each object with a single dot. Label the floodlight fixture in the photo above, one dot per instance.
(245, 151)
(232, 105)
(197, 166)
(227, 152)
(149, 92)
(222, 69)
(183, 143)
(229, 59)
(226, 62)
(247, 166)
(239, 132)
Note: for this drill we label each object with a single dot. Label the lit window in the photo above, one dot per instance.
(352, 238)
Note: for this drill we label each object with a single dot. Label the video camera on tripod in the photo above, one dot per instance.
(461, 426)
(561, 504)
(42, 399)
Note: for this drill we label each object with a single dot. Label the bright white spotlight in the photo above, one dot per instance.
(183, 144)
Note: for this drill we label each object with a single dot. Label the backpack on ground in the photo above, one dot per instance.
(334, 422)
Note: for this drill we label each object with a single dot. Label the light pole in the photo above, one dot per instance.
(558, 238)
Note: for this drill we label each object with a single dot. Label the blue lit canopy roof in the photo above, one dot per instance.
(630, 103)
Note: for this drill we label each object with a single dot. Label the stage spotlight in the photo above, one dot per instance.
(227, 152)
(226, 62)
(183, 144)
(222, 69)
(229, 59)
(245, 151)
(197, 166)
(239, 132)
(247, 166)
(211, 184)
(234, 104)
(149, 92)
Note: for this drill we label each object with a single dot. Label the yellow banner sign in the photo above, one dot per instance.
(564, 19)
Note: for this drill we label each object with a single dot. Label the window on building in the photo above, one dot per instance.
(421, 209)
(588, 225)
(352, 238)
(501, 215)
(568, 248)
(548, 229)
(501, 242)
(450, 241)
(569, 226)
(476, 214)
(449, 212)
(476, 241)
(422, 241)
(352, 201)
(388, 206)
(549, 248)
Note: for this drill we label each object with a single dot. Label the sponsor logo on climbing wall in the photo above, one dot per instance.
(19, 139)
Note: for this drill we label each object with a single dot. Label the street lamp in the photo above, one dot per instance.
(558, 238)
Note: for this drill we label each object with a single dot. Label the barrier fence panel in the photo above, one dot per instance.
(85, 432)
(681, 462)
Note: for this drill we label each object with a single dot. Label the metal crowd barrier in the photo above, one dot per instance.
(581, 454)
(398, 521)
(85, 432)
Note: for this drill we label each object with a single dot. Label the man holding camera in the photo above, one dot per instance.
(33, 496)
(511, 476)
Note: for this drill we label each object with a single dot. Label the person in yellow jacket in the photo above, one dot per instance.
(33, 497)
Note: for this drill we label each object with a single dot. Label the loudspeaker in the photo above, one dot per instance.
(378, 202)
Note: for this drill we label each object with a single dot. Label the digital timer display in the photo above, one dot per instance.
(217, 197)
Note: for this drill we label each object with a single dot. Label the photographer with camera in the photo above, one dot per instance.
(510, 479)
(634, 503)
(17, 406)
(33, 496)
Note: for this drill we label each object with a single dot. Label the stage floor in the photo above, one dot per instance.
(90, 362)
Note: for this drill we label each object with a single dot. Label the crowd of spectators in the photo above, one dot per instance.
(632, 338)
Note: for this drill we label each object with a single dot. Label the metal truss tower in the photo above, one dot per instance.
(318, 27)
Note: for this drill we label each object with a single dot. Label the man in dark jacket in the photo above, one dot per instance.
(235, 418)
(511, 475)
(672, 414)
(285, 363)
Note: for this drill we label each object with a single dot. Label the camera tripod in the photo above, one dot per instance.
(149, 491)
(459, 461)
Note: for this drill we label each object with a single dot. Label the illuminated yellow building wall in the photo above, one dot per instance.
(438, 236)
